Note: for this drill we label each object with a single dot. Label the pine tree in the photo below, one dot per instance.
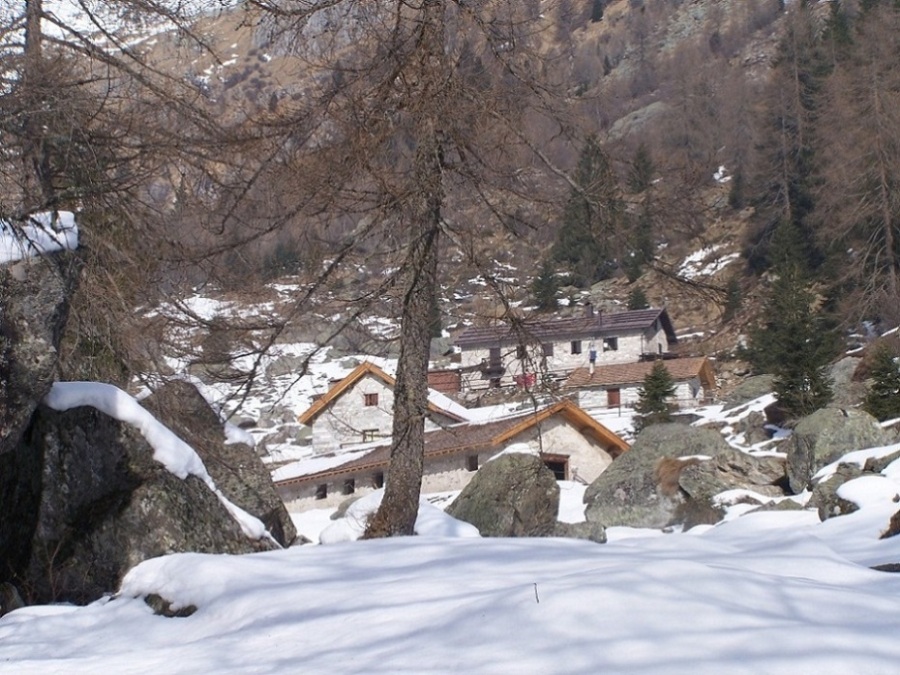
(637, 299)
(592, 218)
(597, 10)
(732, 299)
(640, 176)
(883, 399)
(545, 287)
(652, 406)
(794, 343)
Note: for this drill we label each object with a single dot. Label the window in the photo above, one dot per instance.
(548, 348)
(371, 399)
(369, 435)
(521, 352)
(610, 344)
(494, 360)
(559, 466)
(378, 479)
(349, 487)
(322, 491)
(613, 398)
(576, 346)
(472, 463)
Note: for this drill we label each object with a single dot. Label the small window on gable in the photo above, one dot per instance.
(349, 487)
(322, 491)
(521, 352)
(548, 348)
(369, 435)
(576, 346)
(371, 399)
(378, 479)
(559, 467)
(610, 344)
(472, 463)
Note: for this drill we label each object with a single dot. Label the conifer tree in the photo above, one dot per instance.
(592, 218)
(794, 342)
(637, 299)
(883, 399)
(545, 287)
(652, 406)
(640, 176)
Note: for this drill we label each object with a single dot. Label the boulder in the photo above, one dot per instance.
(88, 502)
(825, 493)
(753, 428)
(631, 491)
(826, 435)
(514, 495)
(731, 469)
(34, 305)
(748, 390)
(594, 532)
(848, 392)
(236, 468)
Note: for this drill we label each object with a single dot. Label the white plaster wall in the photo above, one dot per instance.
(587, 460)
(688, 394)
(563, 361)
(342, 423)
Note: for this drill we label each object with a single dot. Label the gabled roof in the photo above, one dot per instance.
(621, 374)
(599, 325)
(475, 437)
(437, 403)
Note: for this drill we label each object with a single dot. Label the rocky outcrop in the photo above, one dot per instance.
(235, 468)
(90, 502)
(731, 469)
(34, 305)
(514, 495)
(594, 532)
(826, 435)
(847, 390)
(748, 390)
(632, 493)
(825, 495)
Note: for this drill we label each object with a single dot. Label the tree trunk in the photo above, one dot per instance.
(400, 506)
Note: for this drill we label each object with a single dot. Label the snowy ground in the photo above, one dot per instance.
(776, 592)
(766, 593)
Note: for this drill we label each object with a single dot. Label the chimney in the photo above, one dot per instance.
(588, 310)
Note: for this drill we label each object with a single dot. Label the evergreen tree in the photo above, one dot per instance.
(637, 299)
(732, 299)
(640, 176)
(597, 10)
(794, 342)
(545, 287)
(883, 399)
(652, 406)
(592, 218)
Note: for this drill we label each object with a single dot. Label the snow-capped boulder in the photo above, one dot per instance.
(34, 305)
(821, 438)
(732, 469)
(514, 495)
(825, 495)
(748, 390)
(235, 468)
(90, 501)
(632, 493)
